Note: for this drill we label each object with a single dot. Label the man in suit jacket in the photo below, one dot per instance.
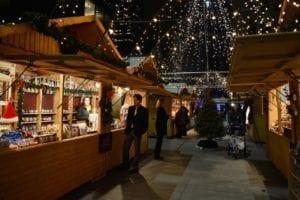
(136, 126)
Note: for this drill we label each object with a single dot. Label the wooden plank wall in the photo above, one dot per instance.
(51, 170)
(278, 148)
(32, 41)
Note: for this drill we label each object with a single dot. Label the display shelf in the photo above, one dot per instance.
(23, 123)
(48, 121)
(49, 113)
(67, 113)
(31, 113)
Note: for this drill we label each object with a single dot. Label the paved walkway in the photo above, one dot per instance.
(188, 173)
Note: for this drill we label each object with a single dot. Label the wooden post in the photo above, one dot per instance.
(294, 110)
(58, 100)
(104, 127)
(278, 107)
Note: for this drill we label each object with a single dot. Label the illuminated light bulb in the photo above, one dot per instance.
(138, 48)
(207, 3)
(152, 56)
(167, 34)
(111, 31)
(155, 20)
(235, 13)
(213, 18)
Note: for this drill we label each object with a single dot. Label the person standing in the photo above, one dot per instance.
(181, 120)
(136, 126)
(161, 127)
(84, 109)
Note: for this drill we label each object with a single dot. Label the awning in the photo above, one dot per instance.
(81, 65)
(22, 44)
(261, 62)
(156, 90)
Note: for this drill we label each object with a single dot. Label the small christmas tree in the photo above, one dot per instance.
(208, 122)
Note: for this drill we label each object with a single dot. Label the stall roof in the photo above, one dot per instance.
(149, 65)
(288, 12)
(260, 62)
(156, 90)
(22, 44)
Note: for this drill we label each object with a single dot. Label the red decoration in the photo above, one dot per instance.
(9, 115)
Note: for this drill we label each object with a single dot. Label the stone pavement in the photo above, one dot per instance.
(188, 173)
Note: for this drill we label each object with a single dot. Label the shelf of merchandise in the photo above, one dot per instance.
(31, 113)
(52, 121)
(23, 123)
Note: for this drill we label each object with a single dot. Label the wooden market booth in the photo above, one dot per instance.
(55, 166)
(147, 71)
(266, 63)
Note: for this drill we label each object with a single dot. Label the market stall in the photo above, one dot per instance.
(61, 151)
(266, 63)
(147, 70)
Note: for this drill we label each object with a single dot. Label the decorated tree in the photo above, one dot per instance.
(208, 122)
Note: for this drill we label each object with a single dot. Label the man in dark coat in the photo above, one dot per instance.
(161, 127)
(181, 120)
(136, 126)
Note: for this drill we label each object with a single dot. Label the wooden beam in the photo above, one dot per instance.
(286, 65)
(101, 27)
(269, 57)
(68, 21)
(32, 58)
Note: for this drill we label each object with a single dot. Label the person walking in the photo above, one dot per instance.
(136, 126)
(161, 127)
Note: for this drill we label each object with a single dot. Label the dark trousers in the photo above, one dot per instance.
(181, 130)
(129, 138)
(158, 144)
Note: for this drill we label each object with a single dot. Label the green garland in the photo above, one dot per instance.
(20, 105)
(69, 43)
(152, 76)
(80, 92)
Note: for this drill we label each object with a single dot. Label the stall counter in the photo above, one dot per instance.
(278, 148)
(51, 170)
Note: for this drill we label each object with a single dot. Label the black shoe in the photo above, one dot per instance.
(134, 170)
(158, 158)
